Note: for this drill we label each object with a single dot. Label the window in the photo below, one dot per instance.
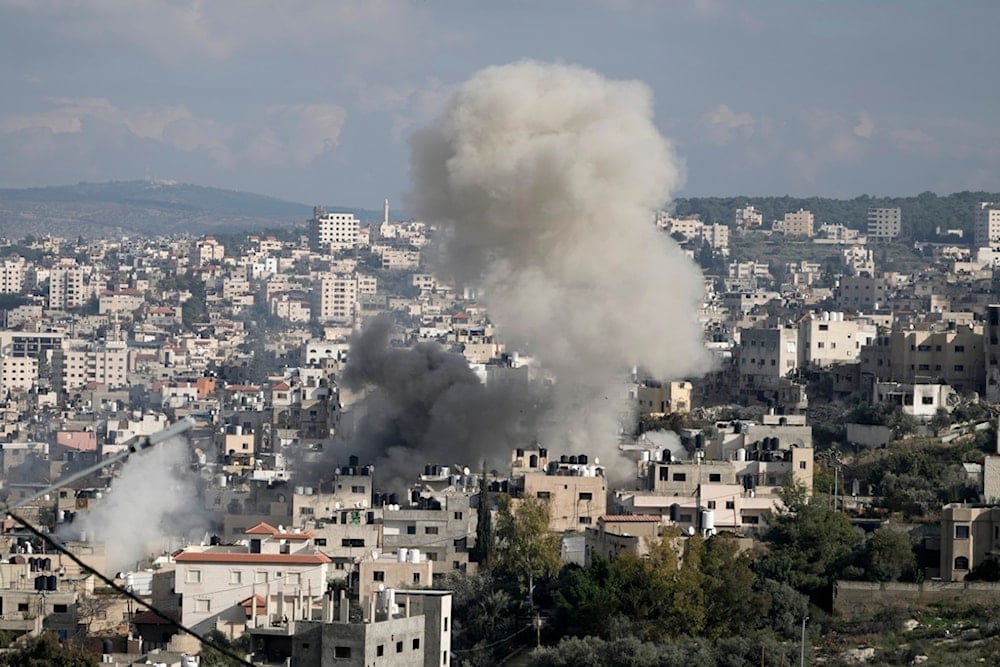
(235, 577)
(680, 477)
(446, 624)
(193, 577)
(399, 647)
(730, 504)
(416, 577)
(711, 504)
(714, 477)
(202, 606)
(824, 327)
(342, 652)
(352, 542)
(927, 400)
(416, 643)
(585, 520)
(543, 495)
(378, 575)
(60, 608)
(586, 496)
(294, 578)
(380, 650)
(320, 541)
(357, 489)
(961, 532)
(430, 530)
(664, 474)
(959, 368)
(961, 563)
(960, 348)
(260, 577)
(411, 530)
(802, 465)
(820, 345)
(458, 516)
(22, 606)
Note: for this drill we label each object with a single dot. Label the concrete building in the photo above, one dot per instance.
(917, 400)
(78, 364)
(617, 533)
(333, 232)
(828, 338)
(748, 217)
(951, 356)
(765, 355)
(17, 374)
(574, 487)
(885, 223)
(67, 288)
(12, 272)
(207, 251)
(662, 398)
(800, 223)
(986, 225)
(969, 534)
(991, 350)
(335, 298)
(276, 576)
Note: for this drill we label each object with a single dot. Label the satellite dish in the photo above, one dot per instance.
(381, 588)
(691, 530)
(337, 505)
(374, 554)
(597, 461)
(466, 471)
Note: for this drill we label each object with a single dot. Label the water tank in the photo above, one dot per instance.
(414, 555)
(352, 461)
(563, 459)
(402, 555)
(445, 471)
(699, 441)
(708, 520)
(645, 456)
(299, 490)
(107, 646)
(675, 512)
(582, 459)
(741, 454)
(542, 452)
(392, 499)
(573, 460)
(220, 480)
(667, 456)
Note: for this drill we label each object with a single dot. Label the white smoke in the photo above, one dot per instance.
(151, 507)
(545, 180)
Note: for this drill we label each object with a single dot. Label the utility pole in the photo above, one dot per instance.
(802, 651)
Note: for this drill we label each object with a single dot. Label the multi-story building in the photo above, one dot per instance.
(277, 575)
(207, 251)
(885, 223)
(575, 489)
(333, 232)
(799, 223)
(766, 354)
(715, 235)
(335, 298)
(829, 338)
(748, 217)
(67, 288)
(18, 374)
(991, 349)
(926, 356)
(986, 225)
(12, 272)
(969, 534)
(77, 364)
(864, 293)
(661, 398)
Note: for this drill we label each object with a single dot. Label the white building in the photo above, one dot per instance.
(986, 225)
(332, 232)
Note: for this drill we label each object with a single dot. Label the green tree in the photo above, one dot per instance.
(46, 651)
(527, 550)
(888, 555)
(485, 537)
(586, 600)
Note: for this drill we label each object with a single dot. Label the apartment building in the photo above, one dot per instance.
(575, 489)
(986, 225)
(864, 292)
(77, 364)
(829, 338)
(276, 575)
(335, 298)
(885, 223)
(656, 398)
(767, 354)
(748, 217)
(970, 533)
(12, 272)
(991, 350)
(927, 356)
(333, 232)
(67, 288)
(17, 374)
(799, 223)
(206, 251)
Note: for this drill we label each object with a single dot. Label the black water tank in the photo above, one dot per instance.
(519, 452)
(582, 459)
(107, 647)
(427, 470)
(699, 441)
(352, 460)
(392, 498)
(573, 460)
(544, 453)
(666, 456)
(675, 512)
(563, 459)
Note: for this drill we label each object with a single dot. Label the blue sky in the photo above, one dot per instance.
(313, 101)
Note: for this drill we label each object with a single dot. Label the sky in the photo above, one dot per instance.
(314, 100)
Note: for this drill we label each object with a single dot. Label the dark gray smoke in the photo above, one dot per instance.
(544, 180)
(428, 406)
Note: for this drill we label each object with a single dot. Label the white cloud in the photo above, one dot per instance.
(723, 125)
(866, 126)
(297, 133)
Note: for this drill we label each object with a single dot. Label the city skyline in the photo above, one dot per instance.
(314, 102)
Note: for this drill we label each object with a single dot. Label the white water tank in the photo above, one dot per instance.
(414, 555)
(741, 454)
(402, 555)
(708, 521)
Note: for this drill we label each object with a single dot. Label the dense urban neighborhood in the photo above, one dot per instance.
(363, 470)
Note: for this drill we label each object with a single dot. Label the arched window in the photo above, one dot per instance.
(961, 563)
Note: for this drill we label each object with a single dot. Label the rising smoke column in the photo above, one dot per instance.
(429, 407)
(545, 179)
(152, 507)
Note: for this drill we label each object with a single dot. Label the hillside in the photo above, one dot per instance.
(146, 208)
(922, 214)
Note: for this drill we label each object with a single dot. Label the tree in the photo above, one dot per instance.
(888, 555)
(46, 651)
(527, 550)
(485, 538)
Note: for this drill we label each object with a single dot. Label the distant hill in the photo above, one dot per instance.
(147, 208)
(922, 214)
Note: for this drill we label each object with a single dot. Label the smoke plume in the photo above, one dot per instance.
(545, 180)
(429, 407)
(151, 508)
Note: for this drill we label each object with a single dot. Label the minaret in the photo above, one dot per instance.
(385, 213)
